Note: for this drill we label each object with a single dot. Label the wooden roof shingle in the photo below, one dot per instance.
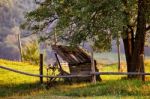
(72, 55)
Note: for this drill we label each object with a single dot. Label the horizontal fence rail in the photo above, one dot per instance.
(72, 76)
(36, 75)
(119, 73)
(21, 72)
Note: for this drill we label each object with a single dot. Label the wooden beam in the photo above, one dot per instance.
(41, 68)
(142, 66)
(72, 76)
(93, 66)
(119, 73)
(36, 75)
(61, 70)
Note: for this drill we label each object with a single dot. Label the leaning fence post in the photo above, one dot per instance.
(41, 68)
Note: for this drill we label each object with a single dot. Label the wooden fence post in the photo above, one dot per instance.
(93, 66)
(142, 65)
(118, 51)
(41, 68)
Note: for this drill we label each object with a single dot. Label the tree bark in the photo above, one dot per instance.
(136, 61)
(134, 46)
(20, 47)
(128, 46)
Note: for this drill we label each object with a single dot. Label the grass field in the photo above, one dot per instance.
(17, 86)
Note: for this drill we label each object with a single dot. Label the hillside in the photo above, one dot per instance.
(19, 86)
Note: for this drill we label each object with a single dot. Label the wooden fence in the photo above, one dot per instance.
(71, 76)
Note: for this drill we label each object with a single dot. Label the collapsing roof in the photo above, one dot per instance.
(78, 59)
(72, 55)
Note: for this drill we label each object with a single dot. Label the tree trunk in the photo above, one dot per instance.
(128, 46)
(136, 61)
(134, 46)
(20, 47)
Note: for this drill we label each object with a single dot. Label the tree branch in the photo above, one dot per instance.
(40, 3)
(147, 28)
(28, 35)
(37, 2)
(52, 20)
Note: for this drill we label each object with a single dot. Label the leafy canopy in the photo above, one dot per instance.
(97, 21)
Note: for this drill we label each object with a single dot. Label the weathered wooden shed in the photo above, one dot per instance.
(78, 59)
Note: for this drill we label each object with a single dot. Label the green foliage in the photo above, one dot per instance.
(97, 21)
(80, 20)
(30, 52)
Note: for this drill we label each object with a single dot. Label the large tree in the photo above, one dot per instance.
(135, 36)
(99, 21)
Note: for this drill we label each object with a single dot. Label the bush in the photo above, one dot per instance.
(30, 52)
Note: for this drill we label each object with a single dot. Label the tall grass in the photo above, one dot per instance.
(18, 86)
(12, 83)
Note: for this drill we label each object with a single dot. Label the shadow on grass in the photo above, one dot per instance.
(19, 89)
(111, 88)
(104, 88)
